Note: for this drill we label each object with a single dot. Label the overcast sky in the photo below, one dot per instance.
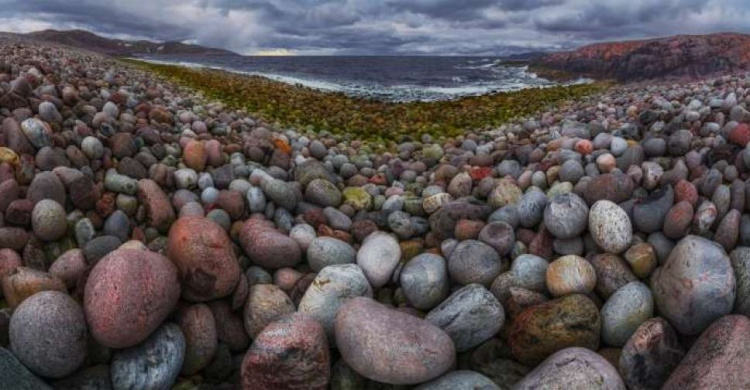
(445, 27)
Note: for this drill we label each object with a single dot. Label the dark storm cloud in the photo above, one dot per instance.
(481, 27)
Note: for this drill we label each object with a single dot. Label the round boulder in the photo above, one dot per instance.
(470, 316)
(718, 360)
(129, 293)
(330, 289)
(610, 226)
(573, 368)
(570, 275)
(390, 346)
(650, 355)
(202, 252)
(475, 262)
(265, 303)
(624, 312)
(290, 353)
(543, 329)
(48, 334)
(198, 325)
(424, 281)
(378, 257)
(696, 285)
(153, 364)
(566, 215)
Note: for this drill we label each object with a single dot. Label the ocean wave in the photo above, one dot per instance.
(499, 79)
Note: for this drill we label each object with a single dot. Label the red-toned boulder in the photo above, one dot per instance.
(129, 293)
(290, 353)
(740, 135)
(201, 339)
(195, 156)
(267, 247)
(202, 252)
(158, 208)
(718, 360)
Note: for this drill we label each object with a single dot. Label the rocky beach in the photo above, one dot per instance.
(152, 237)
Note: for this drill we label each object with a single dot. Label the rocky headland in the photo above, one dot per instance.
(681, 56)
(153, 238)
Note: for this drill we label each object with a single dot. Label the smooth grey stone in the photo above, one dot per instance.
(566, 215)
(14, 376)
(571, 171)
(48, 334)
(424, 281)
(475, 262)
(649, 214)
(118, 225)
(326, 251)
(153, 364)
(99, 247)
(530, 272)
(531, 208)
(256, 200)
(625, 311)
(337, 220)
(470, 316)
(378, 257)
(331, 288)
(507, 214)
(696, 285)
(573, 368)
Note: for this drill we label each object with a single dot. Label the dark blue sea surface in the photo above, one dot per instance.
(385, 78)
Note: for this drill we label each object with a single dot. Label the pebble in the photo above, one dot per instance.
(325, 251)
(332, 287)
(566, 215)
(696, 285)
(198, 326)
(650, 355)
(16, 376)
(543, 329)
(48, 334)
(153, 364)
(717, 359)
(610, 226)
(295, 345)
(460, 379)
(128, 294)
(205, 260)
(570, 275)
(624, 312)
(740, 259)
(573, 368)
(267, 247)
(475, 262)
(470, 316)
(48, 220)
(378, 258)
(390, 346)
(265, 303)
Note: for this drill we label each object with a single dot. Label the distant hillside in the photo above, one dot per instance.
(117, 47)
(681, 55)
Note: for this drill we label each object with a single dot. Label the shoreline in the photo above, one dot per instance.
(362, 92)
(367, 118)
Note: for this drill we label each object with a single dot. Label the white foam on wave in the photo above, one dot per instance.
(517, 78)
